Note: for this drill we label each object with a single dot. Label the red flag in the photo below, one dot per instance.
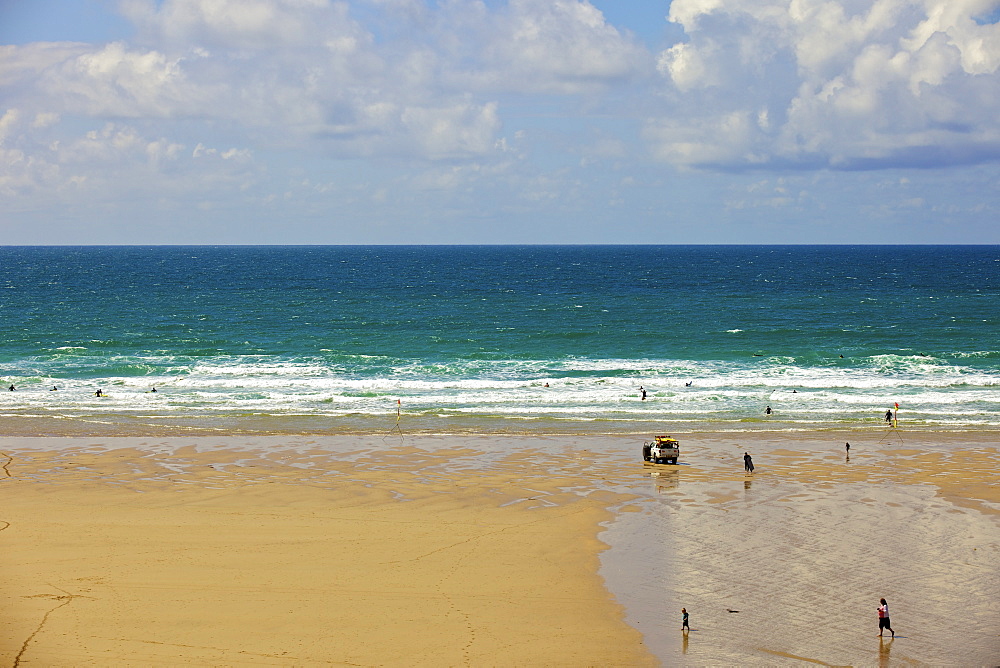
(897, 405)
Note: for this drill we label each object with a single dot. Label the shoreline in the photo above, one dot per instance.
(501, 548)
(173, 425)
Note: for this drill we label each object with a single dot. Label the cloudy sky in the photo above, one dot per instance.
(499, 121)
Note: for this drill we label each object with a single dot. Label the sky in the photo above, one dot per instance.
(499, 122)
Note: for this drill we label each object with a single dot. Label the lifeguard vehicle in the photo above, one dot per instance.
(661, 450)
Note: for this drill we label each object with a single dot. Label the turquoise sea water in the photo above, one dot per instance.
(505, 337)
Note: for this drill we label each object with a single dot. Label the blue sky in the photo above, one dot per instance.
(499, 121)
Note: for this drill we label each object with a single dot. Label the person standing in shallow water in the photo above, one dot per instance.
(684, 620)
(747, 462)
(883, 618)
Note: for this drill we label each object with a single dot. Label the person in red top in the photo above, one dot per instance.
(883, 618)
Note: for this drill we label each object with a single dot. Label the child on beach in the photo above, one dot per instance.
(684, 619)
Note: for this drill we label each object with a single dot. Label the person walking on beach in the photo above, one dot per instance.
(888, 415)
(883, 618)
(684, 620)
(847, 446)
(747, 462)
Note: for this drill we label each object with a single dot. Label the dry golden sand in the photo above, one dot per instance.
(167, 554)
(480, 551)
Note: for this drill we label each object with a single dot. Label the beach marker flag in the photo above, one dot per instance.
(396, 427)
(895, 416)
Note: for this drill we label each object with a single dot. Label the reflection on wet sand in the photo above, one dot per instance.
(666, 480)
(884, 647)
(808, 544)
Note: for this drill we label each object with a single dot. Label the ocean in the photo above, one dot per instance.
(455, 339)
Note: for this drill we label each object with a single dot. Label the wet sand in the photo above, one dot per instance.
(805, 546)
(504, 550)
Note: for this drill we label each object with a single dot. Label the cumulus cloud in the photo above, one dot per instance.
(454, 131)
(101, 164)
(403, 79)
(297, 72)
(547, 46)
(214, 93)
(248, 24)
(830, 83)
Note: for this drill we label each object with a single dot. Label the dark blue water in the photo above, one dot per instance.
(825, 335)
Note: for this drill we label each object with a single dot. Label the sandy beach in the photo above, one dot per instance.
(501, 550)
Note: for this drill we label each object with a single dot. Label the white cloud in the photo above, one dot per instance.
(7, 123)
(534, 46)
(559, 46)
(102, 164)
(526, 108)
(453, 131)
(686, 66)
(248, 24)
(118, 81)
(831, 84)
(307, 75)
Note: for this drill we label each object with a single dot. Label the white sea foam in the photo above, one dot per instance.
(930, 391)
